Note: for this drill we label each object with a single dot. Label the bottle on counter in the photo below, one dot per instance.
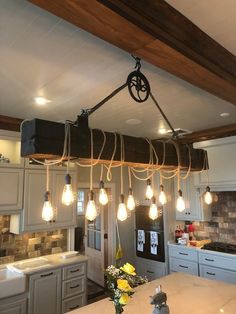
(191, 231)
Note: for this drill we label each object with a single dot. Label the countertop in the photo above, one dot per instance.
(185, 294)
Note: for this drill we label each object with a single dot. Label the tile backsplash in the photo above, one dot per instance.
(14, 247)
(222, 227)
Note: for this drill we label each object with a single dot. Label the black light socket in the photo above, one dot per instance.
(46, 196)
(122, 198)
(101, 184)
(180, 193)
(148, 182)
(68, 179)
(208, 189)
(91, 195)
(130, 191)
(153, 200)
(162, 187)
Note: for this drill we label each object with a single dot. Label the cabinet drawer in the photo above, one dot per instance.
(74, 271)
(218, 274)
(179, 265)
(217, 261)
(183, 253)
(73, 303)
(72, 287)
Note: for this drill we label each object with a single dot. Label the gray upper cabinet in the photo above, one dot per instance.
(45, 292)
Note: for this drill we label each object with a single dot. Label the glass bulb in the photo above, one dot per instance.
(130, 202)
(153, 211)
(47, 212)
(208, 198)
(122, 212)
(180, 204)
(162, 198)
(149, 192)
(91, 210)
(103, 198)
(67, 195)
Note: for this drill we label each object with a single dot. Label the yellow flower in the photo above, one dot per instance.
(123, 285)
(124, 299)
(129, 269)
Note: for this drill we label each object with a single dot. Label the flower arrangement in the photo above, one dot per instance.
(121, 283)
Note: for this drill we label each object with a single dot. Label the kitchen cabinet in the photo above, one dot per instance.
(11, 192)
(195, 209)
(35, 187)
(74, 287)
(222, 163)
(45, 292)
(183, 259)
(217, 266)
(14, 305)
(151, 269)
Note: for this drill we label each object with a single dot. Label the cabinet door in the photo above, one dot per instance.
(13, 306)
(65, 215)
(11, 191)
(35, 187)
(45, 292)
(217, 274)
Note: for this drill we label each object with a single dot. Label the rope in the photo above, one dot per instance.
(91, 169)
(130, 179)
(47, 178)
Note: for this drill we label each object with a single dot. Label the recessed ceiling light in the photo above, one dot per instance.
(133, 121)
(41, 100)
(162, 131)
(224, 114)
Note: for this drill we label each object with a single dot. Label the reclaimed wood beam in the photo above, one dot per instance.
(159, 34)
(10, 123)
(209, 134)
(45, 139)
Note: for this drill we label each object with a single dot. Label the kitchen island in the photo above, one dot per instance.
(186, 294)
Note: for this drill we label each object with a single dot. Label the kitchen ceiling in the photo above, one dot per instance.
(41, 54)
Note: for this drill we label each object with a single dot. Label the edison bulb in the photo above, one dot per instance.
(130, 202)
(91, 210)
(47, 212)
(122, 212)
(162, 198)
(153, 211)
(67, 195)
(149, 190)
(103, 198)
(208, 198)
(180, 204)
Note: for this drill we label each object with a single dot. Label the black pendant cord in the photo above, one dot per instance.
(102, 102)
(175, 134)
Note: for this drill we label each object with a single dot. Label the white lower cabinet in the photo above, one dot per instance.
(180, 265)
(217, 274)
(14, 305)
(150, 269)
(45, 292)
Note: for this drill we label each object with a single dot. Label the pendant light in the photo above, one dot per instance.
(122, 210)
(180, 204)
(162, 195)
(103, 198)
(47, 211)
(149, 190)
(130, 200)
(208, 199)
(91, 209)
(67, 194)
(153, 210)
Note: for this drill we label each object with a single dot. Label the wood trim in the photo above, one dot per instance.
(210, 134)
(10, 123)
(148, 29)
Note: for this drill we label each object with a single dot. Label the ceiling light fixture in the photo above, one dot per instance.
(162, 131)
(133, 121)
(225, 114)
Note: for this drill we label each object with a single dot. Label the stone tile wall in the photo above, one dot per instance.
(222, 227)
(28, 245)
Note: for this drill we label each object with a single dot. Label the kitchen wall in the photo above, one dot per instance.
(28, 245)
(222, 227)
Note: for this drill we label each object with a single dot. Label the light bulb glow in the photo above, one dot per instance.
(131, 202)
(208, 199)
(47, 212)
(162, 198)
(103, 198)
(91, 210)
(153, 211)
(180, 204)
(67, 195)
(122, 212)
(149, 190)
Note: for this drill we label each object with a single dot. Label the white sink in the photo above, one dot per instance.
(11, 283)
(30, 264)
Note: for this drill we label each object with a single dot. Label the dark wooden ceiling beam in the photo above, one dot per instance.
(10, 123)
(210, 134)
(158, 33)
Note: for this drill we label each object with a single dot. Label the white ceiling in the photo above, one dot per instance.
(41, 54)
